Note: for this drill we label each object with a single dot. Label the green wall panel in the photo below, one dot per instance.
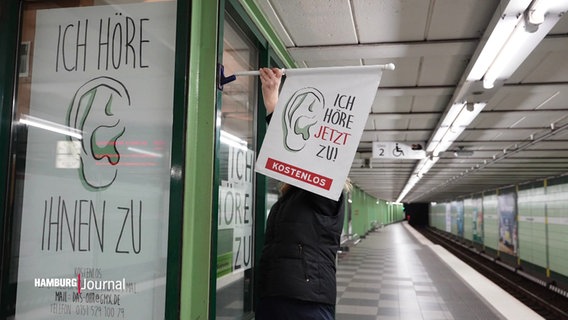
(382, 208)
(491, 221)
(358, 214)
(368, 211)
(557, 235)
(468, 219)
(557, 209)
(542, 223)
(532, 228)
(399, 210)
(438, 216)
(198, 196)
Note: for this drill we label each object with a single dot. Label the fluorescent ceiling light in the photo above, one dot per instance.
(446, 125)
(409, 185)
(509, 44)
(454, 123)
(50, 126)
(499, 36)
(541, 10)
(438, 136)
(468, 114)
(452, 114)
(427, 165)
(446, 143)
(511, 56)
(537, 11)
(457, 119)
(507, 19)
(463, 153)
(533, 25)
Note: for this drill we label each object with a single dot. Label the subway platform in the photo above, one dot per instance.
(397, 274)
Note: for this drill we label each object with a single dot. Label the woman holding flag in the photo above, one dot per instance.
(296, 273)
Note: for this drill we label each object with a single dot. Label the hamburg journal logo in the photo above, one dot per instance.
(81, 285)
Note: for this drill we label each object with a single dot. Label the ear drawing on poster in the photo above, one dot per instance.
(98, 98)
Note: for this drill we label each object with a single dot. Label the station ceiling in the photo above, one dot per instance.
(520, 136)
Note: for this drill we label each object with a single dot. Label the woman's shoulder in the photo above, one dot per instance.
(316, 202)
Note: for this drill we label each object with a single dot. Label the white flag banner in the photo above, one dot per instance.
(316, 127)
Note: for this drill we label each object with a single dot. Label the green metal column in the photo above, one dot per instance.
(260, 203)
(9, 24)
(9, 16)
(199, 166)
(175, 224)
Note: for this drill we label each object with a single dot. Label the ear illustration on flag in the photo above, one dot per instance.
(300, 115)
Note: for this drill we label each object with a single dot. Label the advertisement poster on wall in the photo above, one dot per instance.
(477, 216)
(458, 208)
(448, 217)
(94, 216)
(508, 240)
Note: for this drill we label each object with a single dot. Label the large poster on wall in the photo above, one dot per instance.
(508, 240)
(477, 223)
(94, 223)
(458, 208)
(448, 217)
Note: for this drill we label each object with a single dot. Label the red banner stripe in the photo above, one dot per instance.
(299, 174)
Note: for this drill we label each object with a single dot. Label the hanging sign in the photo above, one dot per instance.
(316, 127)
(94, 216)
(397, 150)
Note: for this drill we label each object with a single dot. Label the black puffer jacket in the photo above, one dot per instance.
(302, 238)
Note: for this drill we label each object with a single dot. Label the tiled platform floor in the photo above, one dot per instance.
(390, 275)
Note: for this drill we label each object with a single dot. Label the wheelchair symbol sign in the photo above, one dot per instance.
(397, 150)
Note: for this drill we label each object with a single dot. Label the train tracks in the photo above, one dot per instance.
(535, 294)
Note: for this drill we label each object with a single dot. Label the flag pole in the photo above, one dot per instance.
(253, 73)
(388, 66)
(223, 80)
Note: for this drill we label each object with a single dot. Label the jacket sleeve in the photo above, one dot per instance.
(325, 206)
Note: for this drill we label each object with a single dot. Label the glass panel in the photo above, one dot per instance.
(236, 158)
(272, 185)
(490, 222)
(92, 147)
(272, 193)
